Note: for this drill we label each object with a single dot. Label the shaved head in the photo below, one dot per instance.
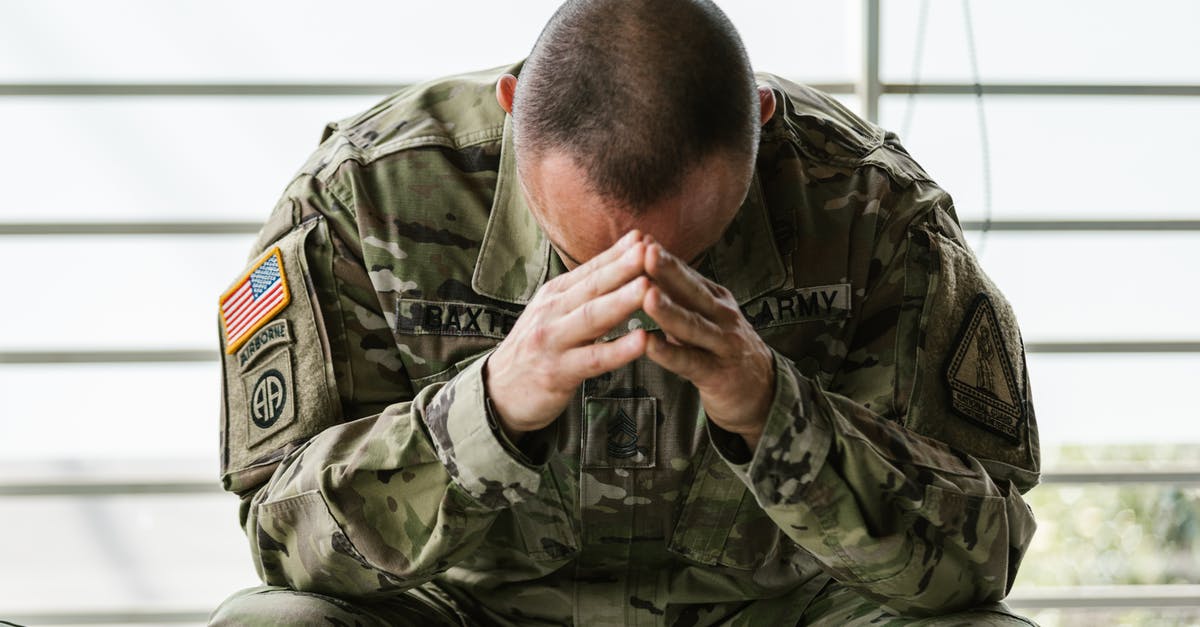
(637, 94)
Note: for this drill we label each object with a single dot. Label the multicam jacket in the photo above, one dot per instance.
(356, 430)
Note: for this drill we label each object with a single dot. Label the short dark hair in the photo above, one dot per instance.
(637, 92)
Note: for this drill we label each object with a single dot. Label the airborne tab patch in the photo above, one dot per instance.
(260, 294)
(983, 387)
(270, 335)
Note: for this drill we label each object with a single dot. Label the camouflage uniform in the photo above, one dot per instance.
(374, 480)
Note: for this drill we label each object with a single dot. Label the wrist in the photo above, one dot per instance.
(494, 416)
(514, 436)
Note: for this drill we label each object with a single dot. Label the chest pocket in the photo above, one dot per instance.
(721, 524)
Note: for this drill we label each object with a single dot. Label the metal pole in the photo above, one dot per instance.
(869, 86)
(150, 90)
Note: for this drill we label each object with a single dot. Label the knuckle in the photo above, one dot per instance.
(544, 299)
(587, 314)
(553, 302)
(591, 284)
(554, 285)
(595, 360)
(689, 318)
(728, 313)
(543, 379)
(538, 336)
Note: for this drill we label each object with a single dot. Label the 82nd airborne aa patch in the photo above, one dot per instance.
(983, 387)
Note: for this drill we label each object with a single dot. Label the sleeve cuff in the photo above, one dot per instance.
(478, 457)
(794, 445)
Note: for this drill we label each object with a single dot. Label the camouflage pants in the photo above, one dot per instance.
(273, 605)
(428, 605)
(839, 606)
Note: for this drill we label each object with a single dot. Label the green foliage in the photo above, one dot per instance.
(1125, 617)
(1129, 534)
(1133, 534)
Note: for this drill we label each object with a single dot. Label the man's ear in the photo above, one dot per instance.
(505, 88)
(766, 102)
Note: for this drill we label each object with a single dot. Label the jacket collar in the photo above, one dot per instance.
(515, 258)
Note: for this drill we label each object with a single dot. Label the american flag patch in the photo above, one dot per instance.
(260, 294)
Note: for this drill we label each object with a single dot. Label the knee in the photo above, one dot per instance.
(839, 606)
(990, 615)
(272, 605)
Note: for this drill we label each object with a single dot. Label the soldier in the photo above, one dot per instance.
(622, 334)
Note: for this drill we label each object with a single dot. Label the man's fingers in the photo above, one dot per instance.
(597, 316)
(610, 275)
(683, 325)
(599, 261)
(685, 361)
(594, 360)
(680, 281)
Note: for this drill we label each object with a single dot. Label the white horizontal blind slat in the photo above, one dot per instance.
(150, 411)
(1056, 157)
(359, 41)
(1035, 41)
(160, 292)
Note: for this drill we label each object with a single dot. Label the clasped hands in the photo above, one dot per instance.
(535, 372)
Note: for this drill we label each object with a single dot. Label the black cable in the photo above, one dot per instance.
(910, 104)
(985, 156)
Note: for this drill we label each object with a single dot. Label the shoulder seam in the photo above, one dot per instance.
(365, 157)
(456, 142)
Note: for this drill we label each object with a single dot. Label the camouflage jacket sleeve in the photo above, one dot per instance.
(915, 500)
(352, 481)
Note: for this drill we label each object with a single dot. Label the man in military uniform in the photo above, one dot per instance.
(622, 335)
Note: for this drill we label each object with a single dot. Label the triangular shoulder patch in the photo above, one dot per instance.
(983, 387)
